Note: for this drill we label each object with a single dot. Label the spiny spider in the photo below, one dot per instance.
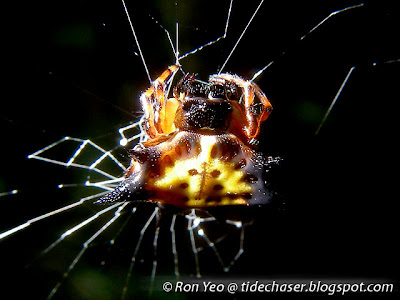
(201, 147)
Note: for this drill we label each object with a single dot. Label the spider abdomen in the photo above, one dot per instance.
(195, 170)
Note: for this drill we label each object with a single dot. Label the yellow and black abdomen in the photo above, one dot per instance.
(194, 170)
(190, 170)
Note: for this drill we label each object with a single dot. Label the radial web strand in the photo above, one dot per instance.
(86, 244)
(259, 72)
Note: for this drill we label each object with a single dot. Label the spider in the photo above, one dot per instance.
(201, 147)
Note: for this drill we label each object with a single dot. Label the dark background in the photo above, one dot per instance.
(70, 68)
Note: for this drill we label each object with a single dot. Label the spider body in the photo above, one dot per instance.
(201, 147)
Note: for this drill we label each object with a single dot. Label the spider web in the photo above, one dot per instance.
(89, 242)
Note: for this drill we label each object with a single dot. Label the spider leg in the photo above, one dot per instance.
(158, 110)
(256, 105)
